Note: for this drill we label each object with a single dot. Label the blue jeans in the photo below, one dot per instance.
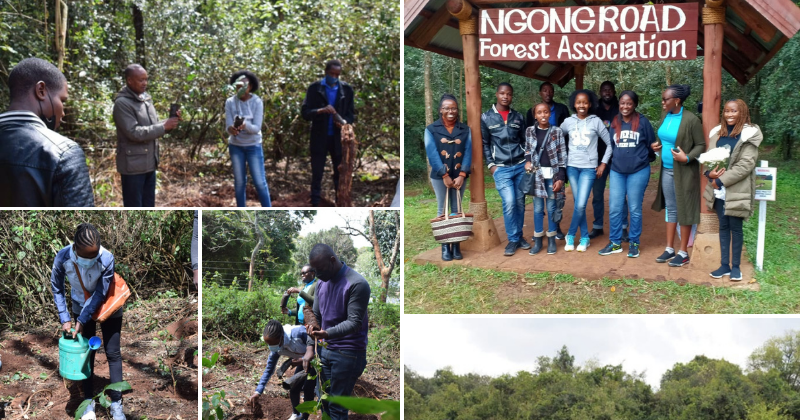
(581, 181)
(507, 180)
(538, 209)
(441, 190)
(598, 202)
(630, 188)
(139, 190)
(252, 156)
(342, 368)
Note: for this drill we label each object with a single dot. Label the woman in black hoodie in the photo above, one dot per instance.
(631, 137)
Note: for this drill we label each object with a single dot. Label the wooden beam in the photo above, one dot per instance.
(559, 73)
(783, 14)
(412, 9)
(734, 70)
(755, 21)
(769, 56)
(747, 45)
(427, 14)
(425, 32)
(531, 68)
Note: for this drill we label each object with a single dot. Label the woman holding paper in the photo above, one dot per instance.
(681, 135)
(730, 189)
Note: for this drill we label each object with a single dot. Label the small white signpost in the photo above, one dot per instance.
(765, 191)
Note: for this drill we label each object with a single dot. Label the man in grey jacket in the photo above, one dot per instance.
(138, 130)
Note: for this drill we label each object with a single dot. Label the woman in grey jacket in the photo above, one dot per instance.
(244, 113)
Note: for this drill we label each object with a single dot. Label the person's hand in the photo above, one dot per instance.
(493, 169)
(252, 400)
(306, 360)
(284, 310)
(600, 169)
(656, 146)
(234, 131)
(680, 156)
(716, 172)
(327, 110)
(319, 334)
(78, 328)
(558, 185)
(337, 124)
(171, 123)
(292, 290)
(448, 182)
(297, 362)
(67, 326)
(528, 166)
(310, 329)
(458, 182)
(195, 277)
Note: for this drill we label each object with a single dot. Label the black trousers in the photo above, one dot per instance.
(331, 145)
(730, 230)
(304, 385)
(111, 330)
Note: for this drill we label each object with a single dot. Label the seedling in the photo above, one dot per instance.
(101, 397)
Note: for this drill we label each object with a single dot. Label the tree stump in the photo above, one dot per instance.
(346, 168)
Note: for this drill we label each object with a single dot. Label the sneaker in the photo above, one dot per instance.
(583, 245)
(570, 246)
(88, 414)
(116, 411)
(523, 244)
(723, 270)
(611, 248)
(736, 274)
(511, 248)
(297, 416)
(559, 234)
(633, 250)
(679, 261)
(666, 256)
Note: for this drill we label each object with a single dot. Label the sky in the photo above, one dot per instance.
(327, 218)
(495, 346)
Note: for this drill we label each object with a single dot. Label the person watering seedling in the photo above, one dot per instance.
(291, 342)
(89, 267)
(306, 295)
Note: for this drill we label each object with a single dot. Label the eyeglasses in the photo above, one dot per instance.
(663, 99)
(449, 109)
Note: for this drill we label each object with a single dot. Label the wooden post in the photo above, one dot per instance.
(580, 70)
(485, 233)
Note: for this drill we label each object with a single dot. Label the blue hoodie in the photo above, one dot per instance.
(632, 151)
(96, 280)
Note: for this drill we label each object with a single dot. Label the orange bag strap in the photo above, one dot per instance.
(85, 293)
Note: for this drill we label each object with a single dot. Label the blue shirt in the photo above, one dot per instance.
(668, 133)
(331, 92)
(552, 115)
(294, 346)
(301, 303)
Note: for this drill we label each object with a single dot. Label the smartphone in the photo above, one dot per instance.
(238, 121)
(173, 110)
(676, 150)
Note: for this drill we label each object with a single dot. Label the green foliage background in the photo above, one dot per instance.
(152, 252)
(557, 389)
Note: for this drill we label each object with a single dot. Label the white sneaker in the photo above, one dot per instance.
(116, 411)
(88, 414)
(583, 245)
(570, 243)
(296, 416)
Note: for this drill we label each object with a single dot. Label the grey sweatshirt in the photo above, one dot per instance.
(253, 112)
(583, 138)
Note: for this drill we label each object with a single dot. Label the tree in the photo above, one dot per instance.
(335, 237)
(781, 354)
(382, 230)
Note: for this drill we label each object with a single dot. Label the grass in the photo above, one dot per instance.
(458, 289)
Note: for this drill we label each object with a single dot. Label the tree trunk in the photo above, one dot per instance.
(254, 254)
(428, 109)
(138, 26)
(61, 31)
(344, 196)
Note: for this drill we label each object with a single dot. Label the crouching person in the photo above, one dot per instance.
(288, 341)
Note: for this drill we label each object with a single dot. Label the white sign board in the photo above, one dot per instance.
(765, 183)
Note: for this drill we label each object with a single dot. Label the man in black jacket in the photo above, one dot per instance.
(503, 134)
(558, 112)
(325, 98)
(39, 167)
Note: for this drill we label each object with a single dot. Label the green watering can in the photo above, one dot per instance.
(73, 356)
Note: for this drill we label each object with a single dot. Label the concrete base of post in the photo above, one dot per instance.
(706, 250)
(484, 234)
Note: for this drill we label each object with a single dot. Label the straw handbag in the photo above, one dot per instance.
(449, 229)
(118, 293)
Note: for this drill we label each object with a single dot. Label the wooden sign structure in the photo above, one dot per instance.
(589, 33)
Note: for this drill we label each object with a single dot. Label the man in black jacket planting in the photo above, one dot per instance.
(503, 134)
(324, 99)
(39, 167)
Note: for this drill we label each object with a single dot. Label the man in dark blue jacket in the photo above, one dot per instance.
(39, 167)
(503, 134)
(325, 98)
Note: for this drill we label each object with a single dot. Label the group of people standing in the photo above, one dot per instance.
(45, 169)
(603, 139)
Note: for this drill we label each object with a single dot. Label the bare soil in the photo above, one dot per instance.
(240, 367)
(40, 392)
(207, 181)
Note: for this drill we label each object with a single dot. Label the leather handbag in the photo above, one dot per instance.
(452, 228)
(528, 184)
(118, 294)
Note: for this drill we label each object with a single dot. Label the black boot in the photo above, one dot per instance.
(625, 237)
(559, 233)
(537, 245)
(457, 251)
(595, 233)
(551, 245)
(446, 254)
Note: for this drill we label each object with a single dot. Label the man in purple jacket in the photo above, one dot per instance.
(341, 309)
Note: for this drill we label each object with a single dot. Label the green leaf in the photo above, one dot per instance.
(21, 255)
(81, 408)
(309, 407)
(42, 376)
(219, 413)
(207, 363)
(104, 401)
(214, 358)
(366, 405)
(118, 386)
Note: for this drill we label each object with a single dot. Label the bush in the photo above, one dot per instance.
(384, 314)
(238, 314)
(384, 346)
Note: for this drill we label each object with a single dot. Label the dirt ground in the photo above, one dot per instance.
(208, 181)
(240, 367)
(29, 378)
